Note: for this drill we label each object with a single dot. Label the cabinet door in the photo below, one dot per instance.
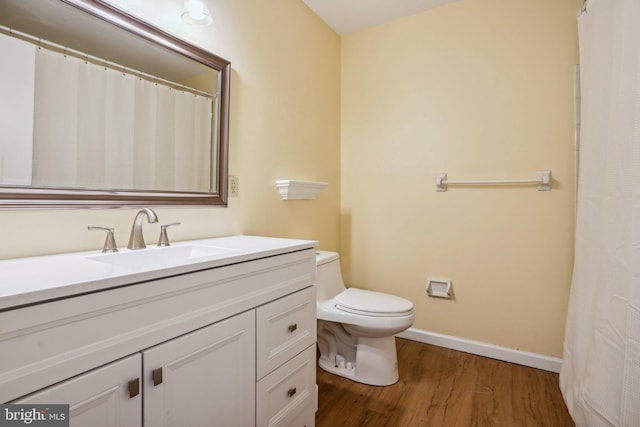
(103, 397)
(204, 378)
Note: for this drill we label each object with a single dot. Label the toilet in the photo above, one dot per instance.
(356, 327)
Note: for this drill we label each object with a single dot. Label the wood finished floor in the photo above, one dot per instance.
(442, 387)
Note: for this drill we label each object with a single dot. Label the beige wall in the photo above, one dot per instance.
(285, 107)
(476, 89)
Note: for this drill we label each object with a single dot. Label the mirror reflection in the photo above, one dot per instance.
(83, 112)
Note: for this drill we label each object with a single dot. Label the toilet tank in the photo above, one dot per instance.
(328, 276)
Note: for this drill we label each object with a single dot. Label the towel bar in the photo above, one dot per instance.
(543, 181)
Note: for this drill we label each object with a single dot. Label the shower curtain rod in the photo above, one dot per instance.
(101, 62)
(543, 181)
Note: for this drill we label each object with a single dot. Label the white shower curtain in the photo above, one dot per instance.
(600, 376)
(97, 127)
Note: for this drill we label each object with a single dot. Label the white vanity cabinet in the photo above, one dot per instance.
(206, 377)
(232, 345)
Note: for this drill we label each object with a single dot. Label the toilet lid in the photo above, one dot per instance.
(370, 303)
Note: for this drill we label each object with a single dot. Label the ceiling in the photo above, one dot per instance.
(61, 24)
(348, 16)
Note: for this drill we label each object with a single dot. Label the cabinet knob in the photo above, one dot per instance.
(156, 374)
(134, 388)
(293, 327)
(291, 391)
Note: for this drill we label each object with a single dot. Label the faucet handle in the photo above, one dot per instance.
(164, 239)
(110, 241)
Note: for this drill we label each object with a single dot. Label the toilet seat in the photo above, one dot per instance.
(371, 303)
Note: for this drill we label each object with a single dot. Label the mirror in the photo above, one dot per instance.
(104, 110)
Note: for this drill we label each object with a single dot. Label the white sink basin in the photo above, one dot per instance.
(154, 257)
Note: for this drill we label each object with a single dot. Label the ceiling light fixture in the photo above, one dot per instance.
(196, 12)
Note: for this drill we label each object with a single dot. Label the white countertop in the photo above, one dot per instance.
(36, 279)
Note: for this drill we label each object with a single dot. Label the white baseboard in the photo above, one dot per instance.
(525, 358)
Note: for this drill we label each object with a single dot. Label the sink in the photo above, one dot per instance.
(160, 256)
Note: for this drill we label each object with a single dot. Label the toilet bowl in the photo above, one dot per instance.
(356, 327)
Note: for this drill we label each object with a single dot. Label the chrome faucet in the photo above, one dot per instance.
(136, 240)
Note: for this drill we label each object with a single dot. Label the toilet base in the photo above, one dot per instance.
(376, 362)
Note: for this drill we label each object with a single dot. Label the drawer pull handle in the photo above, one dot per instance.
(134, 388)
(157, 376)
(293, 327)
(291, 391)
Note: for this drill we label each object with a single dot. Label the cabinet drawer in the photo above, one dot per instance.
(284, 328)
(287, 395)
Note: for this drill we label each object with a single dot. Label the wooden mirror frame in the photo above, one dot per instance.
(19, 197)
